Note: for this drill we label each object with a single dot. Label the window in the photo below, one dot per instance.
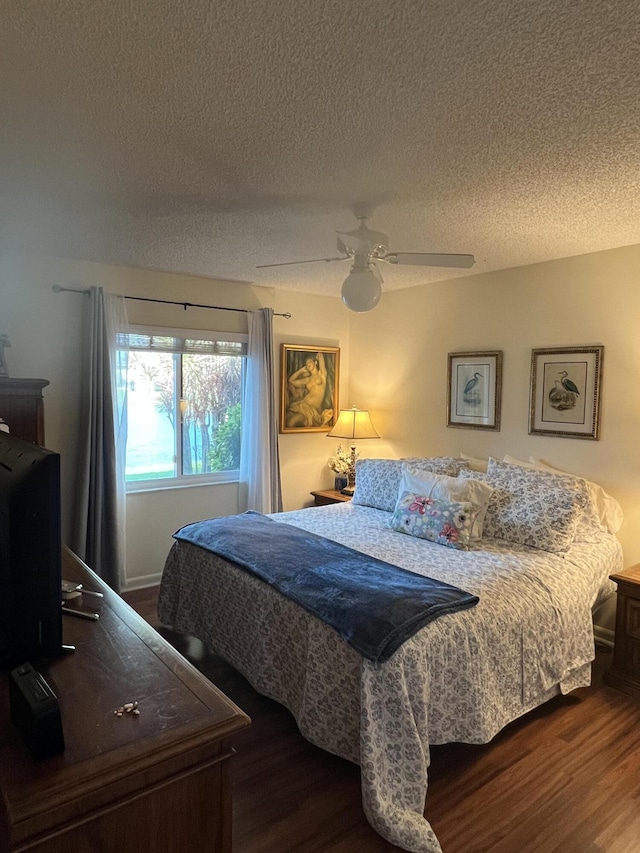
(184, 406)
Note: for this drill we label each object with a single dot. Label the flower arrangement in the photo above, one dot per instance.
(341, 462)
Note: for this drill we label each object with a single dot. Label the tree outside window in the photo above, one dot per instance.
(184, 412)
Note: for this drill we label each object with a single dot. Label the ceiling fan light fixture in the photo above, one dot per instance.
(361, 290)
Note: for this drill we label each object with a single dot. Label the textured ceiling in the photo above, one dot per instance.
(209, 137)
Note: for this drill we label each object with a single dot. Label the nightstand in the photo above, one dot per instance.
(324, 497)
(625, 672)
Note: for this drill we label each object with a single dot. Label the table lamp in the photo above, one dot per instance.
(353, 424)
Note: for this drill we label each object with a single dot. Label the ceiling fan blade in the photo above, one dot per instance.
(431, 259)
(290, 263)
(342, 247)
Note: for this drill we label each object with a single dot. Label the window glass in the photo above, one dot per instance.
(151, 416)
(184, 409)
(211, 392)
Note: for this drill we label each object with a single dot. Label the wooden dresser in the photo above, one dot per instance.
(153, 783)
(625, 672)
(22, 407)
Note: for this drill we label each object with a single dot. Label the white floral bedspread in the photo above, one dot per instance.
(461, 678)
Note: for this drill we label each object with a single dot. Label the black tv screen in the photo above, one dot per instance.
(30, 552)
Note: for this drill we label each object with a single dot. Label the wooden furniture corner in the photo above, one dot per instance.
(324, 497)
(157, 782)
(22, 407)
(625, 672)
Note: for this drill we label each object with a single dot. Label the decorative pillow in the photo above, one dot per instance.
(378, 480)
(444, 488)
(442, 522)
(532, 508)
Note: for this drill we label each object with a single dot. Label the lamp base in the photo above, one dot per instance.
(348, 490)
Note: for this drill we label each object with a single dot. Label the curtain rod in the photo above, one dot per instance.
(59, 289)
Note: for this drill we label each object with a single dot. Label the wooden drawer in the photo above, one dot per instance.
(625, 672)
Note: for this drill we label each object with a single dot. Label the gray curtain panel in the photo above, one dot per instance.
(99, 525)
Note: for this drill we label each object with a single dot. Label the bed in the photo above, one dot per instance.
(538, 555)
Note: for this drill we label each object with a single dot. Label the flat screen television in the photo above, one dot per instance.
(30, 552)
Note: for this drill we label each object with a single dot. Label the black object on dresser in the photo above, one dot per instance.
(156, 781)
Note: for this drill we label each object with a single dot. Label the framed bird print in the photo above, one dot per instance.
(474, 387)
(565, 392)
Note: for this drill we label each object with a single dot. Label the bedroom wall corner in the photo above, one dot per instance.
(588, 299)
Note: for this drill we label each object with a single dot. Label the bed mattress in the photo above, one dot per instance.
(461, 678)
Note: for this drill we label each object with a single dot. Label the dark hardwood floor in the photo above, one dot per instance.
(563, 779)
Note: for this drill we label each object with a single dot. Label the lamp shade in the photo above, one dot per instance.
(361, 290)
(354, 424)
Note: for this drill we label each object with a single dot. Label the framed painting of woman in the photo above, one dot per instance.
(309, 388)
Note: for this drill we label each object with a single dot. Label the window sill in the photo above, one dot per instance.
(172, 484)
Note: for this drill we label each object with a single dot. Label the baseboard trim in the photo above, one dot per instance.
(141, 582)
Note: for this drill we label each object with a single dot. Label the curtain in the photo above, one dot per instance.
(260, 487)
(99, 528)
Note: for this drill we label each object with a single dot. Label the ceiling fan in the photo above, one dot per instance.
(362, 288)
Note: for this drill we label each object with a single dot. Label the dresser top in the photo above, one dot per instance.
(117, 659)
(630, 575)
(21, 386)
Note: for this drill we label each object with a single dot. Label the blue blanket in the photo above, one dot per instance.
(373, 605)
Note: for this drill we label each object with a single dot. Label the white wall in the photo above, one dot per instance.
(393, 362)
(45, 338)
(399, 364)
(45, 332)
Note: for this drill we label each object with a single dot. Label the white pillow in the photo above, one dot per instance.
(475, 464)
(609, 510)
(448, 489)
(511, 460)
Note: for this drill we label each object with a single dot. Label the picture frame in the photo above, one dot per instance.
(565, 392)
(474, 389)
(309, 388)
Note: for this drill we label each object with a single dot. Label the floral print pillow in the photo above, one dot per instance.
(447, 488)
(589, 526)
(442, 522)
(449, 465)
(531, 507)
(378, 480)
